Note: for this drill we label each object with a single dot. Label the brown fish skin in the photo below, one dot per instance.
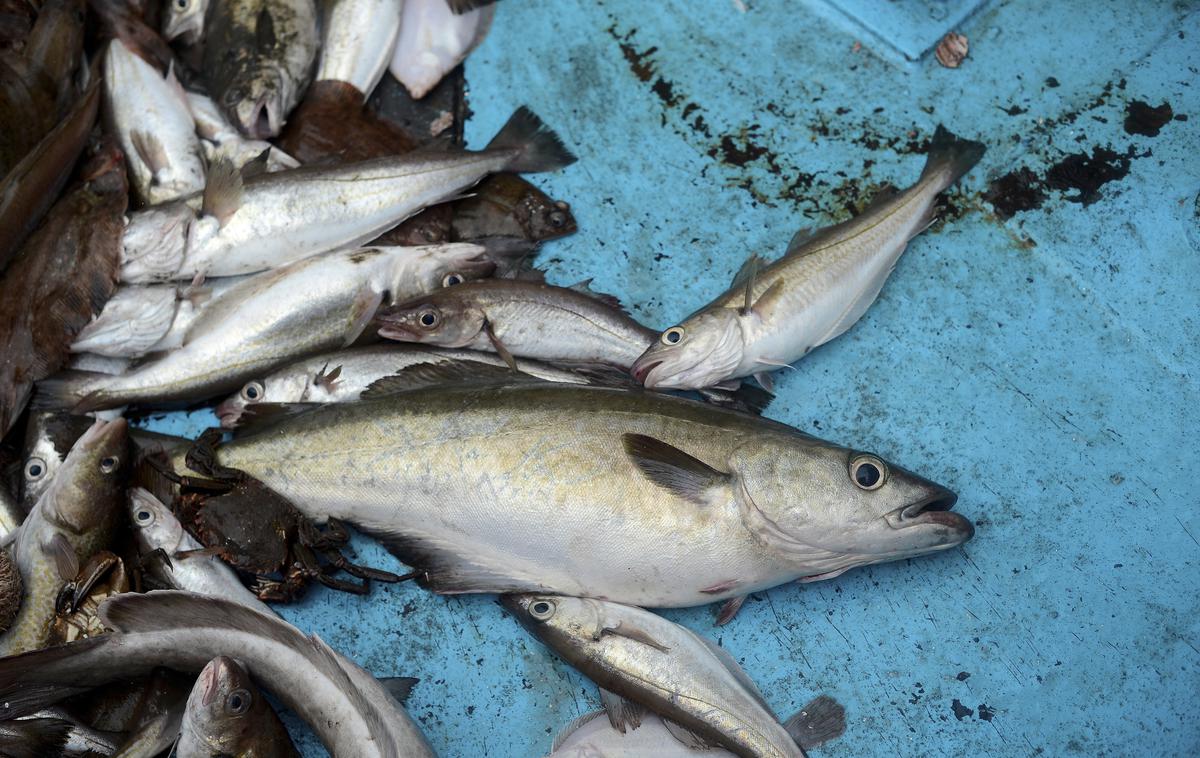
(505, 205)
(332, 125)
(55, 45)
(16, 21)
(61, 279)
(33, 185)
(27, 108)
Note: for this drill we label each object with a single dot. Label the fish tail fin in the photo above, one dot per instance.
(34, 738)
(537, 147)
(822, 720)
(77, 391)
(950, 157)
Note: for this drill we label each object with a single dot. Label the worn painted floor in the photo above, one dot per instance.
(1036, 352)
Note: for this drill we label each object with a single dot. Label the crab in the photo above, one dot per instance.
(77, 608)
(258, 532)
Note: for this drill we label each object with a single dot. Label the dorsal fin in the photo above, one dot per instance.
(428, 374)
(750, 267)
(622, 714)
(573, 727)
(223, 192)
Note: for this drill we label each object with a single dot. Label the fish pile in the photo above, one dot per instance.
(266, 210)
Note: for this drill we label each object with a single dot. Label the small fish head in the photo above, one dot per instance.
(436, 319)
(184, 19)
(154, 525)
(855, 508)
(701, 352)
(545, 219)
(291, 387)
(446, 266)
(91, 477)
(48, 441)
(220, 712)
(257, 107)
(564, 623)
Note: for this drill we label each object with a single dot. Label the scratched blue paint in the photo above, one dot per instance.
(908, 28)
(1045, 366)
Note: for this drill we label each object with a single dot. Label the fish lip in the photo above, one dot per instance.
(934, 509)
(641, 372)
(209, 679)
(394, 331)
(228, 414)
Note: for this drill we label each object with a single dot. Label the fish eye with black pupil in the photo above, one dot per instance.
(451, 280)
(143, 516)
(428, 318)
(541, 609)
(252, 391)
(238, 702)
(673, 336)
(868, 472)
(35, 468)
(558, 218)
(109, 464)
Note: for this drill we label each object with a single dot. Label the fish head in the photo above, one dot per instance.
(184, 19)
(48, 439)
(440, 318)
(221, 710)
(154, 525)
(855, 508)
(440, 266)
(563, 623)
(258, 105)
(281, 387)
(548, 219)
(83, 495)
(702, 351)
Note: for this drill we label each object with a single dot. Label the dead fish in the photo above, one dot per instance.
(318, 303)
(345, 376)
(157, 717)
(258, 58)
(507, 205)
(638, 497)
(184, 20)
(61, 279)
(524, 319)
(73, 519)
(220, 140)
(149, 114)
(227, 715)
(641, 660)
(34, 736)
(358, 41)
(331, 124)
(352, 715)
(433, 40)
(774, 314)
(288, 215)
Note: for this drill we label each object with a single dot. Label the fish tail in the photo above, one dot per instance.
(536, 145)
(950, 157)
(822, 720)
(77, 391)
(32, 738)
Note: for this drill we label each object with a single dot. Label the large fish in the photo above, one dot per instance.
(63, 276)
(433, 40)
(227, 715)
(352, 715)
(359, 38)
(632, 496)
(318, 303)
(258, 58)
(523, 318)
(284, 216)
(641, 660)
(73, 519)
(775, 314)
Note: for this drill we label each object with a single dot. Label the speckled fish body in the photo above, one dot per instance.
(433, 40)
(219, 139)
(342, 376)
(227, 715)
(319, 303)
(73, 519)
(555, 488)
(818, 290)
(352, 716)
(530, 319)
(359, 38)
(149, 115)
(258, 58)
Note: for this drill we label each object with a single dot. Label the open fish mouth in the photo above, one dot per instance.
(228, 414)
(641, 371)
(935, 509)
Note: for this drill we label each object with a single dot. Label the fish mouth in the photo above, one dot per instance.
(394, 331)
(641, 372)
(228, 413)
(210, 679)
(936, 509)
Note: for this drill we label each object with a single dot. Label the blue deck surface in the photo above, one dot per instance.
(1043, 366)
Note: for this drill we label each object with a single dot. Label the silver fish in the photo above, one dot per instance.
(359, 38)
(523, 318)
(220, 140)
(433, 40)
(184, 20)
(314, 304)
(773, 315)
(343, 376)
(637, 497)
(227, 715)
(276, 218)
(150, 118)
(75, 517)
(352, 716)
(258, 59)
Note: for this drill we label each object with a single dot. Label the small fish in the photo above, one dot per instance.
(227, 715)
(521, 319)
(352, 713)
(774, 314)
(258, 58)
(318, 303)
(276, 218)
(73, 519)
(505, 205)
(359, 38)
(433, 40)
(184, 20)
(642, 660)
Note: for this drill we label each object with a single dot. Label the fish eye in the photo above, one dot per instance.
(673, 336)
(143, 517)
(253, 391)
(35, 468)
(868, 472)
(452, 279)
(428, 318)
(109, 464)
(541, 609)
(238, 702)
(558, 219)
(181, 4)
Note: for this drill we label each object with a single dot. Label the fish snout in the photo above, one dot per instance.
(229, 413)
(641, 371)
(936, 509)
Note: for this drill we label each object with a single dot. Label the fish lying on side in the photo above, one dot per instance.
(522, 319)
(638, 497)
(358, 40)
(508, 206)
(258, 58)
(319, 303)
(346, 375)
(351, 715)
(774, 314)
(73, 519)
(227, 715)
(221, 141)
(285, 216)
(641, 660)
(433, 40)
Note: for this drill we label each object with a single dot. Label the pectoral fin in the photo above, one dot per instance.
(59, 550)
(729, 609)
(498, 346)
(629, 631)
(622, 713)
(765, 306)
(686, 736)
(223, 192)
(366, 303)
(672, 469)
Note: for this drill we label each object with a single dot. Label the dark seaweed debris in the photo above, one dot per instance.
(1086, 174)
(1141, 118)
(1016, 191)
(961, 711)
